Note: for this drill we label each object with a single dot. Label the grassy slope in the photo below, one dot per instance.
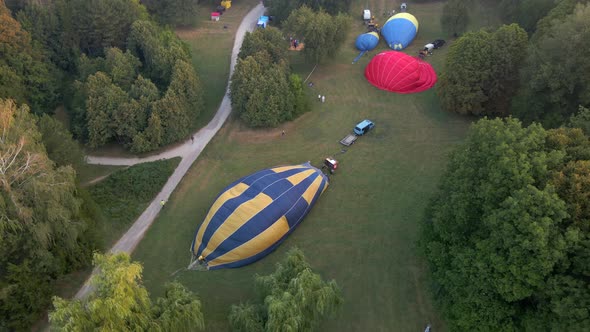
(362, 232)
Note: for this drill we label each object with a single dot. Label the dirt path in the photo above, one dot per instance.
(189, 152)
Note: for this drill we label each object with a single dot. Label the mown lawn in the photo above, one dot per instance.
(362, 232)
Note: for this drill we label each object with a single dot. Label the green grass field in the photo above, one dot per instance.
(362, 231)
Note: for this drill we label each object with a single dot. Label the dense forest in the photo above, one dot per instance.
(507, 236)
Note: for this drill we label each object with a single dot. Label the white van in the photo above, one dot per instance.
(366, 14)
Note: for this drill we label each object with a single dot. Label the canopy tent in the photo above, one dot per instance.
(398, 72)
(399, 30)
(253, 215)
(366, 42)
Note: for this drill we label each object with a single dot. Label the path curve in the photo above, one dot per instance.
(188, 151)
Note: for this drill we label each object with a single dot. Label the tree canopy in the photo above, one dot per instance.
(120, 302)
(554, 79)
(322, 33)
(506, 236)
(25, 75)
(45, 229)
(264, 92)
(293, 298)
(481, 71)
(281, 9)
(173, 12)
(455, 17)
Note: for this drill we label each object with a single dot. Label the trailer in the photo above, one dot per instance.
(348, 140)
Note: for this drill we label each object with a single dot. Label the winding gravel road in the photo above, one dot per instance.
(188, 151)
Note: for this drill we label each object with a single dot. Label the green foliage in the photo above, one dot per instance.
(61, 148)
(294, 298)
(554, 79)
(454, 17)
(526, 13)
(481, 71)
(25, 74)
(260, 92)
(581, 120)
(505, 235)
(270, 40)
(126, 193)
(103, 102)
(178, 310)
(44, 222)
(281, 9)
(120, 302)
(558, 13)
(322, 33)
(122, 67)
(174, 12)
(158, 49)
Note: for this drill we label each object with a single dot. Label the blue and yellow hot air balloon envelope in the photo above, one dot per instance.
(399, 30)
(366, 42)
(253, 215)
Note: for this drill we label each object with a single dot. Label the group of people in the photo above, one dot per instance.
(322, 98)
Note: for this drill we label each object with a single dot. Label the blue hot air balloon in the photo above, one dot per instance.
(366, 42)
(399, 30)
(253, 215)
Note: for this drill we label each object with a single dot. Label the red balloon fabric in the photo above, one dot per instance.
(398, 72)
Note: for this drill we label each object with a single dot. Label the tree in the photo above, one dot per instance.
(270, 40)
(175, 12)
(28, 76)
(44, 226)
(481, 71)
(554, 80)
(581, 120)
(281, 9)
(122, 67)
(322, 33)
(120, 302)
(158, 49)
(104, 100)
(294, 298)
(61, 148)
(504, 237)
(185, 84)
(454, 17)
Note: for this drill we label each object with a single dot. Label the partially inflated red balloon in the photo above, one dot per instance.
(398, 72)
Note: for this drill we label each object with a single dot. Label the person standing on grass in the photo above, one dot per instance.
(323, 99)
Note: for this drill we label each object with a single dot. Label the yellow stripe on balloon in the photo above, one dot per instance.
(295, 179)
(241, 215)
(374, 34)
(235, 191)
(286, 168)
(407, 16)
(256, 245)
(309, 194)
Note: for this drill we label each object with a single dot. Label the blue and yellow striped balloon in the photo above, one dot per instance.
(399, 30)
(253, 215)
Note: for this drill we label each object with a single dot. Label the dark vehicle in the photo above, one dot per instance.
(438, 43)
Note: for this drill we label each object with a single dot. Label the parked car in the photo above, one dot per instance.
(438, 43)
(363, 127)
